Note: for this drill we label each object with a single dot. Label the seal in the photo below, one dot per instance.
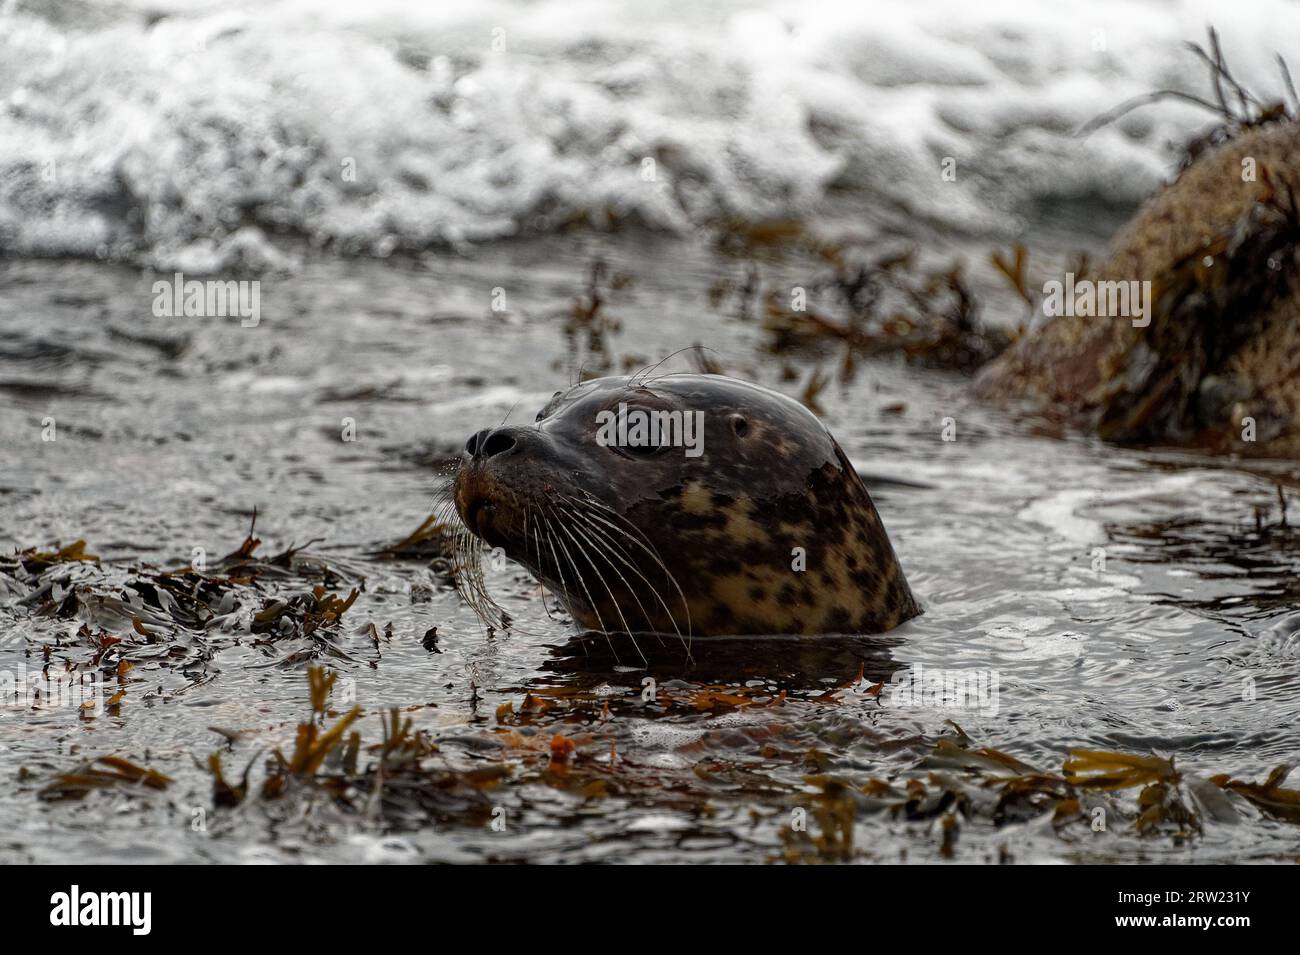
(689, 503)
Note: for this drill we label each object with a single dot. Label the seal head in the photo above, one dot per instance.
(699, 504)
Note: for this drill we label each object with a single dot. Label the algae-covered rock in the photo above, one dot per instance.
(1214, 362)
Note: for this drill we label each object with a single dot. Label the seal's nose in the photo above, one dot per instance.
(490, 442)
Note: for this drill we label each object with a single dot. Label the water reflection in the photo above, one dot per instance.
(782, 663)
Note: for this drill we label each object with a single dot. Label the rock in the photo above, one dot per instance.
(1216, 365)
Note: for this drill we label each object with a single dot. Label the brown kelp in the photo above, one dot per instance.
(395, 777)
(566, 738)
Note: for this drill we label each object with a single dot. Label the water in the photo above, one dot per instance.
(1129, 600)
(169, 434)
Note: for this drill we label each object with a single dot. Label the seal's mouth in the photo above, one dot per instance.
(481, 516)
(481, 501)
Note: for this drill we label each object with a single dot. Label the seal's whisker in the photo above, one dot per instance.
(634, 534)
(509, 413)
(552, 537)
(573, 564)
(653, 553)
(583, 583)
(603, 552)
(605, 533)
(607, 548)
(444, 512)
(444, 493)
(568, 601)
(465, 570)
(530, 521)
(491, 612)
(467, 577)
(617, 550)
(586, 553)
(644, 373)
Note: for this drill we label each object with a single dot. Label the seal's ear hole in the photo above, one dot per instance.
(739, 425)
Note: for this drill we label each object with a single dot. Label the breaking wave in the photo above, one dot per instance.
(189, 135)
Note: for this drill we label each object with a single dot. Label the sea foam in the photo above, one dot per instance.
(370, 128)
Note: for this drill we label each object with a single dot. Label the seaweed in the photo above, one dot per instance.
(966, 784)
(817, 380)
(223, 793)
(589, 326)
(1098, 769)
(1169, 800)
(430, 541)
(302, 614)
(1015, 271)
(560, 738)
(328, 762)
(1268, 796)
(243, 567)
(891, 306)
(1207, 305)
(102, 773)
(1162, 800)
(834, 807)
(1238, 108)
(35, 561)
(175, 617)
(738, 237)
(704, 361)
(745, 293)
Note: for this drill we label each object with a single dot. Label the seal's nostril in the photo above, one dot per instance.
(498, 442)
(488, 443)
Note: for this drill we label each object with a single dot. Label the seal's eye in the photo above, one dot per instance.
(550, 406)
(638, 432)
(739, 425)
(642, 450)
